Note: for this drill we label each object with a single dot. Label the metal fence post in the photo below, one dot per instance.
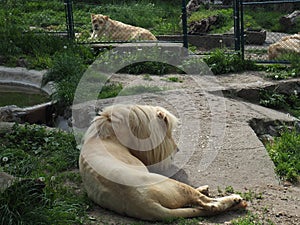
(69, 18)
(184, 24)
(242, 31)
(237, 29)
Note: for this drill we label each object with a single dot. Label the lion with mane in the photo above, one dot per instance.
(120, 149)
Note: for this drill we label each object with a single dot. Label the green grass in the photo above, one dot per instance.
(51, 192)
(285, 153)
(173, 79)
(225, 19)
(221, 62)
(251, 219)
(289, 103)
(267, 19)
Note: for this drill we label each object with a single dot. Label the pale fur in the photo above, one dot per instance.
(117, 178)
(287, 44)
(112, 30)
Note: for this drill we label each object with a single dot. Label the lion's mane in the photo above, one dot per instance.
(145, 130)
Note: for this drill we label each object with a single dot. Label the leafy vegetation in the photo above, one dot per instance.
(281, 101)
(225, 18)
(251, 219)
(49, 191)
(279, 72)
(262, 17)
(285, 153)
(221, 62)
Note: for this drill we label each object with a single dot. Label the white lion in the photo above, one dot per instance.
(118, 146)
(113, 30)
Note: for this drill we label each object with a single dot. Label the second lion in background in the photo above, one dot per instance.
(112, 30)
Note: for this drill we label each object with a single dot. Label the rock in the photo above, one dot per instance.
(194, 5)
(255, 36)
(5, 180)
(289, 20)
(203, 26)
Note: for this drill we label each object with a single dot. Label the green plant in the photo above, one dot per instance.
(49, 191)
(229, 189)
(221, 62)
(250, 219)
(149, 67)
(272, 99)
(147, 77)
(285, 153)
(250, 195)
(27, 150)
(110, 90)
(225, 22)
(290, 103)
(279, 72)
(22, 202)
(174, 79)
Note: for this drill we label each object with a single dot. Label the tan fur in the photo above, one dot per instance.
(285, 45)
(112, 30)
(117, 179)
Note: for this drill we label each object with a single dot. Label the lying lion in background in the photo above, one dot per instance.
(112, 30)
(115, 175)
(287, 44)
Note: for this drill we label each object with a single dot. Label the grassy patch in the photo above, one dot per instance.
(279, 72)
(225, 17)
(173, 79)
(150, 67)
(221, 62)
(51, 193)
(289, 103)
(267, 18)
(285, 153)
(251, 219)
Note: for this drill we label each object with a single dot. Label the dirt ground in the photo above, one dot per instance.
(217, 145)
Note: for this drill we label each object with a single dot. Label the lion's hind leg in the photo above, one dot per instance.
(207, 209)
(222, 204)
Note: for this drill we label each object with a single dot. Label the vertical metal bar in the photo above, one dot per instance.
(69, 19)
(184, 24)
(242, 31)
(237, 33)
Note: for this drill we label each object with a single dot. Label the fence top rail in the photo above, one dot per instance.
(269, 2)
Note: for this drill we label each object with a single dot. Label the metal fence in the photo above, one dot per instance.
(113, 26)
(73, 19)
(254, 40)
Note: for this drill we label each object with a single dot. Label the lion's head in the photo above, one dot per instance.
(99, 21)
(145, 130)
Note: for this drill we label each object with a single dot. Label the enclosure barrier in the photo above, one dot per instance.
(252, 40)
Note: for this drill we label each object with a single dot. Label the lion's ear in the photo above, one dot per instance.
(106, 17)
(93, 16)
